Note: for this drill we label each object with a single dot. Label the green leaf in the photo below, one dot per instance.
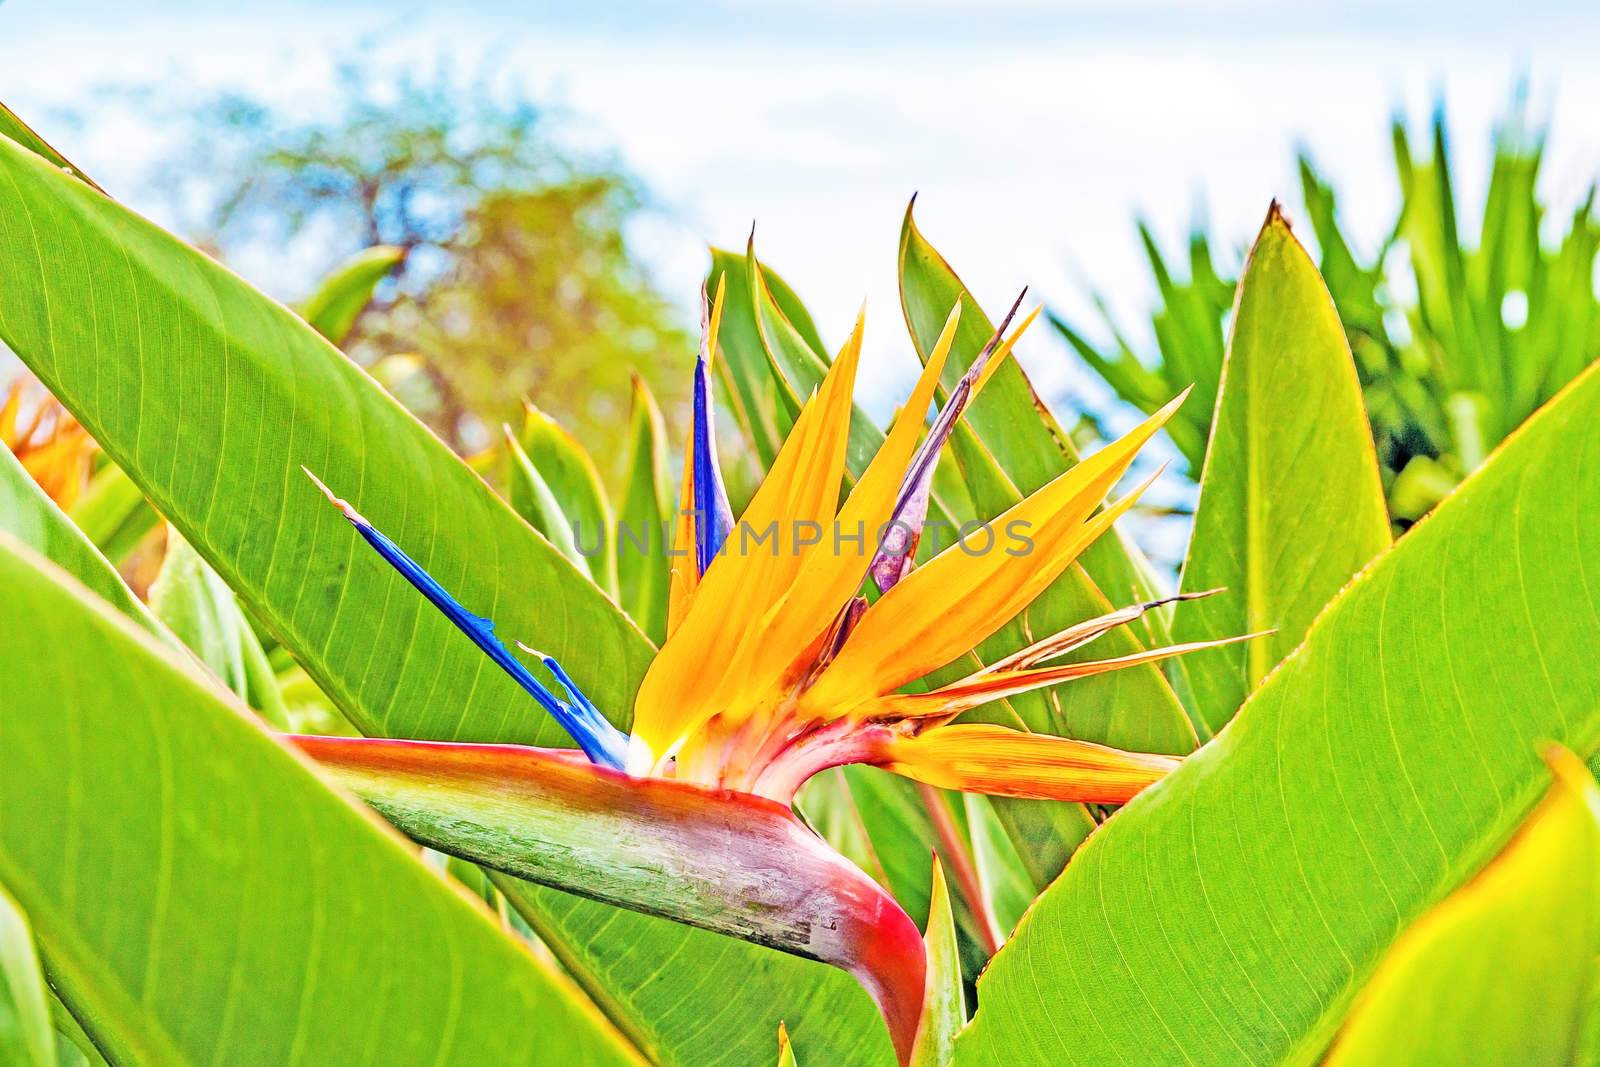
(944, 1009)
(1230, 913)
(1291, 505)
(900, 831)
(29, 515)
(1500, 972)
(74, 1047)
(799, 367)
(752, 389)
(13, 127)
(1142, 387)
(113, 513)
(652, 977)
(643, 516)
(828, 807)
(225, 912)
(1002, 872)
(1428, 224)
(212, 396)
(536, 502)
(200, 609)
(1008, 417)
(1008, 446)
(339, 299)
(26, 1037)
(1188, 326)
(575, 483)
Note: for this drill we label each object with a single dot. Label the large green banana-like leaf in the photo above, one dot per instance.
(1500, 973)
(1290, 501)
(1230, 913)
(15, 129)
(1013, 445)
(212, 396)
(201, 896)
(26, 1038)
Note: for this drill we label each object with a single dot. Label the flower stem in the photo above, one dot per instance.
(954, 849)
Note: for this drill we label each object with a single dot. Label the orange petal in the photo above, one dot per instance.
(945, 608)
(979, 758)
(827, 579)
(8, 415)
(697, 665)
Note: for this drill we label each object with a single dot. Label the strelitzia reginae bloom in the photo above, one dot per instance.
(784, 657)
(53, 448)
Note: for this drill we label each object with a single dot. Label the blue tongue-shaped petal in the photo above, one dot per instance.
(600, 741)
(713, 516)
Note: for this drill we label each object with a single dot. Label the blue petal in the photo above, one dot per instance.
(713, 519)
(600, 741)
(582, 703)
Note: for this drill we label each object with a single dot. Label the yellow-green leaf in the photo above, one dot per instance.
(26, 1038)
(1500, 972)
(566, 468)
(200, 896)
(200, 609)
(28, 514)
(534, 500)
(1230, 913)
(339, 299)
(1291, 505)
(944, 1009)
(642, 517)
(13, 127)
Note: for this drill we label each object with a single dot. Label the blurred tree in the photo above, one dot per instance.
(518, 278)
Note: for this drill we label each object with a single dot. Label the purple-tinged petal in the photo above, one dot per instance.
(897, 553)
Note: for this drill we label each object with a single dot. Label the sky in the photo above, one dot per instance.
(1033, 133)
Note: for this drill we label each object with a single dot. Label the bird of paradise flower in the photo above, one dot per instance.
(51, 445)
(779, 665)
